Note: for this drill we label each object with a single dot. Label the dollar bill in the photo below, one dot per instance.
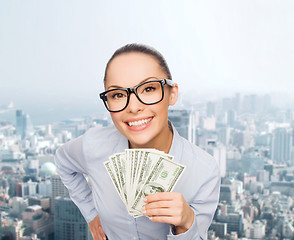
(136, 173)
(162, 178)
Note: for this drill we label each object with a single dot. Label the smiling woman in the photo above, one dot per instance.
(138, 93)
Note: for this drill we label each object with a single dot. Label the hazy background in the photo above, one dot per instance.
(53, 53)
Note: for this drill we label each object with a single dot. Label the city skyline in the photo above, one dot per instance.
(251, 141)
(54, 53)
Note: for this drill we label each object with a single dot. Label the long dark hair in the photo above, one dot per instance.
(140, 48)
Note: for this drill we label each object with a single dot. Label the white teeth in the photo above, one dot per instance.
(139, 123)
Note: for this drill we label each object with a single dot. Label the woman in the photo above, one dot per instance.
(139, 122)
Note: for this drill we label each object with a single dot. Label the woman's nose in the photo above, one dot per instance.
(134, 104)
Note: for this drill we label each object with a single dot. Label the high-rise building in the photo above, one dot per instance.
(219, 228)
(251, 163)
(18, 204)
(58, 189)
(37, 221)
(32, 168)
(181, 120)
(44, 202)
(29, 188)
(211, 109)
(45, 188)
(69, 223)
(13, 229)
(251, 103)
(227, 193)
(231, 118)
(224, 135)
(256, 230)
(23, 124)
(281, 145)
(218, 151)
(208, 123)
(234, 222)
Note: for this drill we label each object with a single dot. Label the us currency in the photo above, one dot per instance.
(150, 158)
(162, 178)
(120, 160)
(112, 175)
(135, 171)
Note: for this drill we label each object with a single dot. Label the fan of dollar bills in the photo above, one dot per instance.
(137, 173)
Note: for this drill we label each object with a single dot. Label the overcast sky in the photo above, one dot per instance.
(55, 51)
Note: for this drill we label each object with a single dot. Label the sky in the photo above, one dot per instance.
(53, 53)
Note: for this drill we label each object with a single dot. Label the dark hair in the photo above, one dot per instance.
(140, 48)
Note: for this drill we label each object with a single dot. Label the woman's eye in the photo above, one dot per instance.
(117, 95)
(149, 89)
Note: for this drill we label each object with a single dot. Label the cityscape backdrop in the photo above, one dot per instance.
(53, 53)
(233, 61)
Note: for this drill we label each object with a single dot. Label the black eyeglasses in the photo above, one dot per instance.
(150, 92)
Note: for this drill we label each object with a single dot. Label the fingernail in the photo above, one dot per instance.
(104, 238)
(143, 210)
(150, 218)
(145, 199)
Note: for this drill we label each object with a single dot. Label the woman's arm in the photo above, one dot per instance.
(71, 167)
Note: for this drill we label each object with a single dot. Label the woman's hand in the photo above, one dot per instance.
(169, 207)
(96, 229)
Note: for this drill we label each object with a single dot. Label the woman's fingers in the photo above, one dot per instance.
(96, 229)
(169, 207)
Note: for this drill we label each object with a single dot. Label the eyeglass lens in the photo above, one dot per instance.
(148, 93)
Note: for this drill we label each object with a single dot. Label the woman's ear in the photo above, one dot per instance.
(173, 94)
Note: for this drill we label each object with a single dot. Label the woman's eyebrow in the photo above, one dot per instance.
(117, 86)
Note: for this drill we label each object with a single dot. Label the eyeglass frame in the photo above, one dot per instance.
(134, 90)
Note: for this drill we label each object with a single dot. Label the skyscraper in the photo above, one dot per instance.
(23, 124)
(69, 223)
(281, 145)
(211, 109)
(181, 120)
(58, 189)
(20, 123)
(218, 151)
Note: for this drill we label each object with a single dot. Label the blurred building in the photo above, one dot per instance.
(23, 124)
(58, 189)
(18, 205)
(12, 228)
(219, 228)
(37, 221)
(69, 223)
(227, 193)
(29, 188)
(218, 151)
(42, 201)
(45, 188)
(256, 230)
(251, 163)
(211, 110)
(181, 120)
(281, 145)
(234, 222)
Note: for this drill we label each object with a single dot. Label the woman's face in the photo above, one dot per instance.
(143, 125)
